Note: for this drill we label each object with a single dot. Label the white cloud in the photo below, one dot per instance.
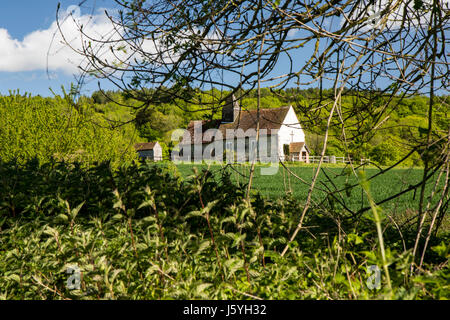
(44, 48)
(374, 11)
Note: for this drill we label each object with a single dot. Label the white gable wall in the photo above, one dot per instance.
(157, 152)
(290, 131)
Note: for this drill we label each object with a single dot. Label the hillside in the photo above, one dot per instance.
(97, 128)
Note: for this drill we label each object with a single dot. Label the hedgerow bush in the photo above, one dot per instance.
(42, 128)
(143, 232)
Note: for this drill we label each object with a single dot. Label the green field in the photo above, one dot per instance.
(276, 186)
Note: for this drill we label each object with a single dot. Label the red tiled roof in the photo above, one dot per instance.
(205, 125)
(296, 146)
(269, 119)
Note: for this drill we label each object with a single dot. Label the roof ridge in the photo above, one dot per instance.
(269, 108)
(143, 145)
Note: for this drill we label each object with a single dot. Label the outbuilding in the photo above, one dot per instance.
(298, 151)
(149, 150)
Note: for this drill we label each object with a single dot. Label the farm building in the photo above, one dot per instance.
(149, 150)
(298, 151)
(234, 136)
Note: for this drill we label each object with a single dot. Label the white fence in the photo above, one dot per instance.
(331, 159)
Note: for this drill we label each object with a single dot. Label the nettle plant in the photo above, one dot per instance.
(143, 232)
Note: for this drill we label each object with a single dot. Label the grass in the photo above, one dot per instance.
(278, 185)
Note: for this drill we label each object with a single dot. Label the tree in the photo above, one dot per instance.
(375, 53)
(384, 154)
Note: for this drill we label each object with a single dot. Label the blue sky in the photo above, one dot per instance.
(33, 60)
(31, 57)
(26, 31)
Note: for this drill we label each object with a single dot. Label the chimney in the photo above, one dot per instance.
(230, 110)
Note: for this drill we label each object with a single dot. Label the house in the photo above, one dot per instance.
(149, 150)
(233, 137)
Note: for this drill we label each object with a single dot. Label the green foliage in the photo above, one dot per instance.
(100, 97)
(153, 125)
(404, 124)
(384, 153)
(43, 128)
(35, 126)
(142, 232)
